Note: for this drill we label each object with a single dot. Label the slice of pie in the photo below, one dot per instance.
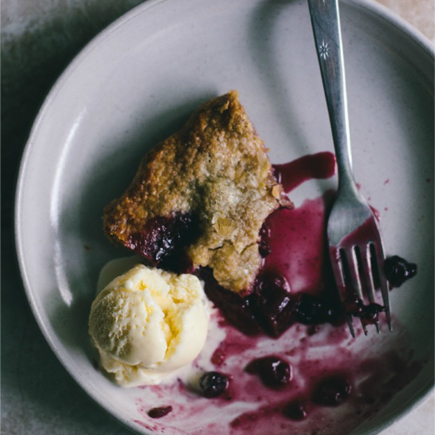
(200, 198)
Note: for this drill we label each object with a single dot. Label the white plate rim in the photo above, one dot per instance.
(368, 5)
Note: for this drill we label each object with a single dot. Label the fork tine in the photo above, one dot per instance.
(350, 324)
(358, 263)
(351, 266)
(377, 327)
(367, 276)
(337, 268)
(350, 258)
(379, 261)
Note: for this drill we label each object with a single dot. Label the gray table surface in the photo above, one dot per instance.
(39, 39)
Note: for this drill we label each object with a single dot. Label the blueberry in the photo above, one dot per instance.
(272, 302)
(398, 270)
(272, 370)
(295, 411)
(213, 384)
(331, 391)
(311, 310)
(160, 411)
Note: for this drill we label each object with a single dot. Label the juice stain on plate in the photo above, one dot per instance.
(334, 381)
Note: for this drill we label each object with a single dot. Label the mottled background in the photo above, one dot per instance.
(39, 39)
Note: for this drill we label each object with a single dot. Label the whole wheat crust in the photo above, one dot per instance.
(215, 168)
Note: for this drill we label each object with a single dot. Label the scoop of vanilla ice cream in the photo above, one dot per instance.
(148, 323)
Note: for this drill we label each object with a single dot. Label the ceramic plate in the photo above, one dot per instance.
(138, 81)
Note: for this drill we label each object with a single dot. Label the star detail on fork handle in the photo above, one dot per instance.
(324, 50)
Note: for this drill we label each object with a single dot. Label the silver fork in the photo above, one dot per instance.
(355, 243)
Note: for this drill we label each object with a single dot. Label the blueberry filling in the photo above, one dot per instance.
(263, 245)
(270, 308)
(369, 314)
(236, 310)
(163, 239)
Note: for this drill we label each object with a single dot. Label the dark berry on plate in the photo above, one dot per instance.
(213, 384)
(295, 411)
(272, 302)
(398, 270)
(273, 371)
(160, 411)
(331, 391)
(311, 310)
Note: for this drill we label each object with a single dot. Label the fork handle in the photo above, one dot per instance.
(325, 19)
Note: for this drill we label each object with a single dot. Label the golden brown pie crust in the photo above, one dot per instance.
(216, 168)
